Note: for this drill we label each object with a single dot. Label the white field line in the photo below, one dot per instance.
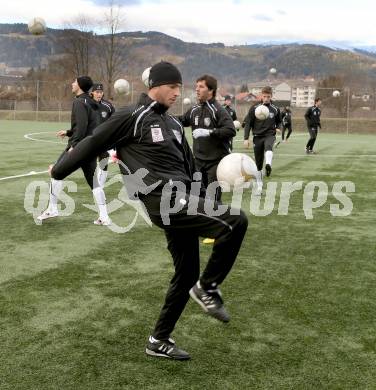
(29, 136)
(330, 155)
(31, 173)
(319, 155)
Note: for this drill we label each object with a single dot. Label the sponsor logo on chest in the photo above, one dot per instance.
(156, 133)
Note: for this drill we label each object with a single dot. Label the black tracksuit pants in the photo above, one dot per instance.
(312, 137)
(88, 168)
(261, 144)
(287, 127)
(182, 236)
(208, 170)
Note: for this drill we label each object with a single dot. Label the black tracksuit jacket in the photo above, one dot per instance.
(286, 118)
(145, 136)
(106, 109)
(210, 115)
(231, 111)
(312, 116)
(84, 119)
(262, 127)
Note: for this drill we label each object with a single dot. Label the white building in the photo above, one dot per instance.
(299, 93)
(303, 93)
(282, 91)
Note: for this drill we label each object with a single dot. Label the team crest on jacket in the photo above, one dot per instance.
(104, 114)
(207, 122)
(271, 115)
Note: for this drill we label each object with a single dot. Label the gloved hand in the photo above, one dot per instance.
(201, 133)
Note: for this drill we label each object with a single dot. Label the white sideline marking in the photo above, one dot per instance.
(320, 155)
(330, 155)
(31, 173)
(29, 136)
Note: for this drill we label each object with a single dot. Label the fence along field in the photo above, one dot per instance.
(354, 111)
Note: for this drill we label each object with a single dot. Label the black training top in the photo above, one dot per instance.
(262, 127)
(145, 136)
(212, 116)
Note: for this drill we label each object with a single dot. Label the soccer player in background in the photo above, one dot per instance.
(264, 132)
(84, 118)
(106, 109)
(149, 139)
(312, 116)
(212, 131)
(286, 123)
(229, 109)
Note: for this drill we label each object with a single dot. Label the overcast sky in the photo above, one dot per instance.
(229, 21)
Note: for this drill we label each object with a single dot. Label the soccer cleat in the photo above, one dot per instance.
(166, 349)
(268, 169)
(307, 151)
(208, 241)
(312, 152)
(211, 301)
(48, 214)
(103, 222)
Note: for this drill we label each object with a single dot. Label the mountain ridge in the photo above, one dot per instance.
(232, 64)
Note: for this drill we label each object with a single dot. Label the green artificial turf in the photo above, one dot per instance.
(78, 301)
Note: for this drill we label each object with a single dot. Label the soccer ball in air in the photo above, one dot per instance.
(145, 77)
(262, 112)
(235, 169)
(37, 26)
(187, 101)
(237, 125)
(273, 70)
(336, 93)
(121, 87)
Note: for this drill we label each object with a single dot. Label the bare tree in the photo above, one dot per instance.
(109, 46)
(78, 41)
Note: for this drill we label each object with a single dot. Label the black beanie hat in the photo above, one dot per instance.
(85, 83)
(97, 87)
(164, 73)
